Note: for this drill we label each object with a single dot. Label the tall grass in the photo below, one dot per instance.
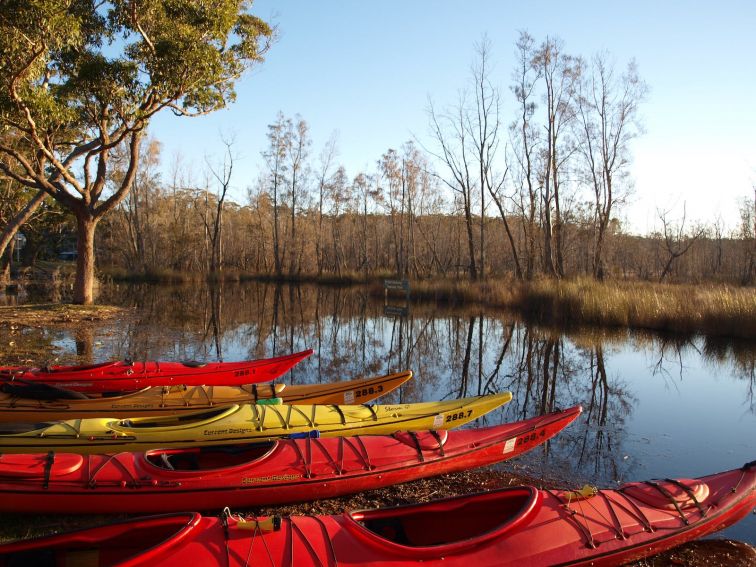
(715, 309)
(709, 309)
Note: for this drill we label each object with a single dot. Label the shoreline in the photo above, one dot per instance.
(713, 309)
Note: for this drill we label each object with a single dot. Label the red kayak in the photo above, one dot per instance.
(511, 526)
(288, 470)
(120, 376)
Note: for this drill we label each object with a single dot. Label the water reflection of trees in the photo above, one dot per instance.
(453, 352)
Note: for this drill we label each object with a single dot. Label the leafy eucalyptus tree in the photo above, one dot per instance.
(80, 77)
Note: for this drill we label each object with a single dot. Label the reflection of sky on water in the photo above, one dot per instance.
(654, 408)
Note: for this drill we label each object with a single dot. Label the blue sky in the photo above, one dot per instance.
(366, 70)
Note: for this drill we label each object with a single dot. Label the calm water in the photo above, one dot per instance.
(654, 406)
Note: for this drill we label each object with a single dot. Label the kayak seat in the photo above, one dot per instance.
(391, 529)
(209, 458)
(667, 494)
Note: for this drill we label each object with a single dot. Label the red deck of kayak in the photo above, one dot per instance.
(288, 470)
(128, 376)
(512, 526)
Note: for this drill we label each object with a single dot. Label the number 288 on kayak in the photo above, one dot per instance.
(510, 444)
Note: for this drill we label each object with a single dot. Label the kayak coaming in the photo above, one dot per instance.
(541, 532)
(122, 376)
(131, 482)
(184, 527)
(174, 400)
(222, 426)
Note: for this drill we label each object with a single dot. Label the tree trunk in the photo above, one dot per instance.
(85, 262)
(470, 243)
(6, 258)
(10, 230)
(598, 265)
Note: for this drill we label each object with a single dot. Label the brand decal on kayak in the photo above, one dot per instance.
(271, 478)
(227, 431)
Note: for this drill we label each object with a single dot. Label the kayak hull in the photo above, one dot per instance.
(246, 423)
(126, 376)
(507, 527)
(288, 470)
(175, 400)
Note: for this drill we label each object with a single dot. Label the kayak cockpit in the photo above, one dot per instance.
(19, 428)
(202, 459)
(186, 420)
(77, 369)
(448, 525)
(149, 539)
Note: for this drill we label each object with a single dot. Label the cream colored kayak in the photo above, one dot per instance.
(175, 400)
(241, 423)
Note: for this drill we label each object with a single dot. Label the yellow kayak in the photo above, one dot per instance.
(175, 400)
(239, 424)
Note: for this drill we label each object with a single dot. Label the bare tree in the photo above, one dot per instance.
(560, 73)
(138, 206)
(297, 152)
(327, 157)
(223, 178)
(608, 122)
(524, 137)
(275, 157)
(747, 233)
(450, 131)
(677, 241)
(484, 131)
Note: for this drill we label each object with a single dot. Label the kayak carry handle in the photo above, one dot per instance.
(271, 524)
(588, 491)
